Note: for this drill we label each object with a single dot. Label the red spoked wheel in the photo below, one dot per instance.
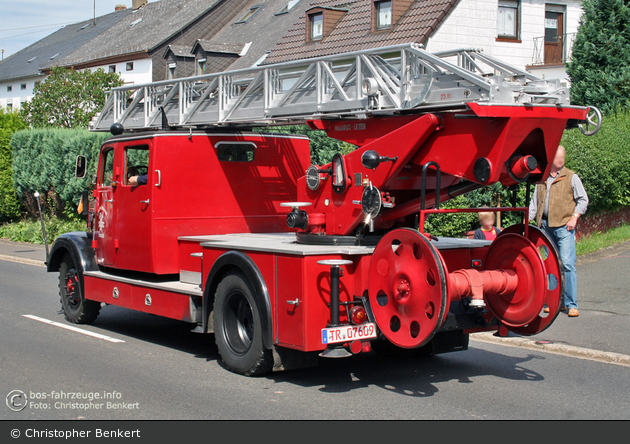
(517, 253)
(407, 288)
(555, 279)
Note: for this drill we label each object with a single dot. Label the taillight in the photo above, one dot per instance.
(358, 315)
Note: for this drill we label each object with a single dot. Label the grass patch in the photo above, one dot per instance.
(31, 231)
(597, 241)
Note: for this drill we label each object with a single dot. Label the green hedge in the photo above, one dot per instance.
(603, 162)
(10, 207)
(44, 161)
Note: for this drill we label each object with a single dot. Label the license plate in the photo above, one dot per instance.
(348, 333)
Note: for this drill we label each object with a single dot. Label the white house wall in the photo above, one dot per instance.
(142, 71)
(473, 24)
(17, 95)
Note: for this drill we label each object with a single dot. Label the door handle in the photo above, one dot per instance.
(296, 302)
(145, 201)
(109, 201)
(159, 178)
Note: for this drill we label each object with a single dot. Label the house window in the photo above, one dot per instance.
(112, 68)
(316, 22)
(9, 88)
(171, 73)
(9, 107)
(129, 66)
(249, 14)
(23, 86)
(201, 67)
(288, 7)
(383, 12)
(508, 26)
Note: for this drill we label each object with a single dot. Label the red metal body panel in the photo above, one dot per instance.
(190, 192)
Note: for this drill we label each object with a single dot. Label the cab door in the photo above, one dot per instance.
(104, 218)
(134, 208)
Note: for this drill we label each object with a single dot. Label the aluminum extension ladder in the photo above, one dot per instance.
(355, 84)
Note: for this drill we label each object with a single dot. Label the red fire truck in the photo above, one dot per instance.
(236, 233)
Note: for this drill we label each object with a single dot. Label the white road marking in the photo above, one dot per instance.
(73, 328)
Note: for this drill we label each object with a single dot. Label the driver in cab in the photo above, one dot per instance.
(139, 180)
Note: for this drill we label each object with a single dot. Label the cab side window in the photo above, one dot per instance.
(136, 161)
(236, 151)
(107, 167)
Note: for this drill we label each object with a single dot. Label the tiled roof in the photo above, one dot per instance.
(142, 30)
(220, 47)
(263, 30)
(179, 51)
(42, 54)
(353, 32)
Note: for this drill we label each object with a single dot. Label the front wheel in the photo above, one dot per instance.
(76, 308)
(238, 327)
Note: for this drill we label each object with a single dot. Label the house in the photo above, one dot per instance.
(20, 72)
(147, 44)
(247, 40)
(529, 34)
(143, 44)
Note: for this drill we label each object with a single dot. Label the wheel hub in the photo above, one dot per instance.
(517, 307)
(407, 288)
(72, 295)
(554, 288)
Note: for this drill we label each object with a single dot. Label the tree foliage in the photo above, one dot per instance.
(9, 202)
(69, 98)
(600, 66)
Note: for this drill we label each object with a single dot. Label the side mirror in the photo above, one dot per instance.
(84, 204)
(81, 167)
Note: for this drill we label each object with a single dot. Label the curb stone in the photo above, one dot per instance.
(555, 348)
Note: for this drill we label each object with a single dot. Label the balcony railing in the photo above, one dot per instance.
(553, 51)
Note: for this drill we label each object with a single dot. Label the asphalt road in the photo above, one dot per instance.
(163, 371)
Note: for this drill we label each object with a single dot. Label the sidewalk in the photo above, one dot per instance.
(25, 253)
(603, 299)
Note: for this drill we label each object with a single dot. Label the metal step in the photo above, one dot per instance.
(355, 84)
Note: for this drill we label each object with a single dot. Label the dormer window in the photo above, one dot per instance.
(321, 21)
(316, 22)
(387, 13)
(383, 10)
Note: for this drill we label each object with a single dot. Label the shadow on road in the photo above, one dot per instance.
(410, 377)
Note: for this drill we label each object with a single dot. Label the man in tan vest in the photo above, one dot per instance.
(556, 206)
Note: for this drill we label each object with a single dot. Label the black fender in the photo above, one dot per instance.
(79, 246)
(237, 260)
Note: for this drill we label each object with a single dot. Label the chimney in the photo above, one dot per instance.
(120, 8)
(137, 4)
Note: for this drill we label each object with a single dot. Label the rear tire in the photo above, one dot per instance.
(76, 308)
(238, 327)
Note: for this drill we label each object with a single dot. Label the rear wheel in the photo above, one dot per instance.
(238, 327)
(76, 308)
